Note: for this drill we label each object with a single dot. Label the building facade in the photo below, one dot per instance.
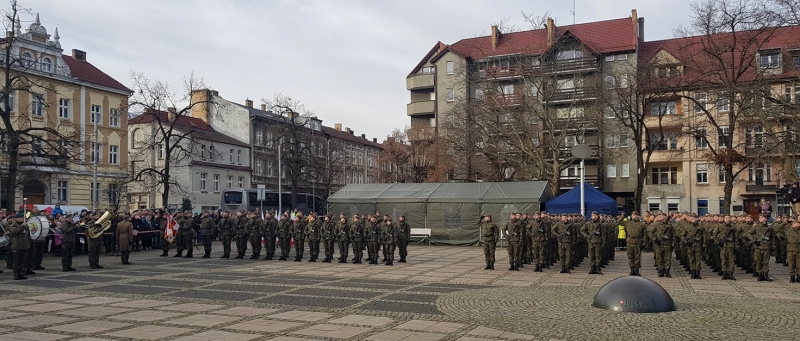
(332, 157)
(68, 94)
(206, 163)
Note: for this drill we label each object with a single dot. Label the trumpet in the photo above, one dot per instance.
(100, 226)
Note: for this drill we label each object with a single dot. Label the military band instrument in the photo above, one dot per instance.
(100, 226)
(39, 227)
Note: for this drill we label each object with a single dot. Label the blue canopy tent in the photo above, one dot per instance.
(570, 202)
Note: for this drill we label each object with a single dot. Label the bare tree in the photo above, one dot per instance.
(170, 134)
(116, 192)
(27, 136)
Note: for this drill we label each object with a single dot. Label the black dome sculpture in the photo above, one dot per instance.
(634, 294)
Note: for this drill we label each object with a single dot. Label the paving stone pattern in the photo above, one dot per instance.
(443, 293)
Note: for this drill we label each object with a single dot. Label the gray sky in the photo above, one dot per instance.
(346, 60)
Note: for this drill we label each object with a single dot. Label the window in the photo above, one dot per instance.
(94, 192)
(673, 204)
(769, 61)
(449, 95)
(506, 90)
(203, 181)
(610, 112)
(47, 65)
(702, 207)
(573, 171)
(63, 191)
(569, 112)
(270, 168)
(654, 204)
(96, 155)
(624, 81)
(702, 173)
(241, 182)
(609, 58)
(27, 59)
(625, 170)
(11, 101)
(238, 156)
(95, 115)
(701, 138)
(792, 94)
(723, 103)
(721, 205)
(664, 176)
(622, 57)
(663, 108)
(450, 68)
(216, 182)
(113, 118)
(427, 70)
(259, 137)
(611, 171)
(722, 135)
(701, 99)
(610, 82)
(565, 84)
(160, 151)
(259, 167)
(571, 54)
(202, 151)
(534, 89)
(721, 174)
(796, 62)
(230, 181)
(37, 105)
(611, 141)
(759, 173)
(478, 94)
(665, 141)
(231, 156)
(113, 155)
(754, 137)
(572, 140)
(63, 108)
(623, 141)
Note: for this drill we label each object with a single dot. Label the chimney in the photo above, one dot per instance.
(215, 93)
(641, 29)
(171, 114)
(495, 36)
(79, 55)
(347, 130)
(338, 126)
(375, 139)
(364, 136)
(248, 103)
(263, 107)
(551, 27)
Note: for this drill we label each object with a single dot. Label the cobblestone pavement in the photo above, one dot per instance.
(441, 294)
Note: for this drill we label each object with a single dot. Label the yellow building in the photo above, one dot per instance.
(72, 96)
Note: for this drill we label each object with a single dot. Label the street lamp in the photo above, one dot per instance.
(582, 152)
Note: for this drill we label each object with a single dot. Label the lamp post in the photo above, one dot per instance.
(582, 152)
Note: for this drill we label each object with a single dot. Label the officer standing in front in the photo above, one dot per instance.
(635, 234)
(595, 235)
(20, 244)
(67, 243)
(403, 235)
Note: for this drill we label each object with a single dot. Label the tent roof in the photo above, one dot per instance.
(595, 201)
(533, 191)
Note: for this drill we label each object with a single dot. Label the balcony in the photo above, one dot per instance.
(568, 66)
(421, 134)
(421, 108)
(761, 187)
(505, 100)
(566, 152)
(567, 182)
(417, 82)
(43, 161)
(574, 94)
(500, 72)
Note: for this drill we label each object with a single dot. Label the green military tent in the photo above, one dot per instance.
(450, 210)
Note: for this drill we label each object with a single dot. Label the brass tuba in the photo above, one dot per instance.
(100, 226)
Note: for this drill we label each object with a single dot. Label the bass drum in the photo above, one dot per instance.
(39, 227)
(3, 237)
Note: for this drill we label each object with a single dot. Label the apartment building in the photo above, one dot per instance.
(335, 156)
(65, 93)
(205, 163)
(553, 82)
(697, 123)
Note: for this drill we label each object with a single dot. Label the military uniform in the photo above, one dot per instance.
(299, 235)
(539, 234)
(20, 242)
(662, 236)
(125, 240)
(595, 235)
(67, 245)
(726, 238)
(792, 235)
(513, 234)
(356, 240)
(254, 231)
(328, 240)
(490, 233)
(693, 238)
(209, 228)
(563, 232)
(635, 238)
(342, 234)
(389, 237)
(313, 234)
(371, 236)
(240, 230)
(285, 237)
(763, 238)
(185, 235)
(268, 229)
(403, 236)
(226, 232)
(95, 244)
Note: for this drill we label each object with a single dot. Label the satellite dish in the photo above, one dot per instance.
(581, 151)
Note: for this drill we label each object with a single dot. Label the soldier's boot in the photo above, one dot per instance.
(794, 279)
(760, 276)
(179, 254)
(223, 255)
(207, 254)
(17, 276)
(511, 267)
(489, 267)
(517, 266)
(563, 269)
(766, 277)
(343, 260)
(492, 265)
(253, 256)
(730, 276)
(748, 270)
(593, 270)
(633, 272)
(698, 274)
(660, 273)
(666, 273)
(188, 255)
(239, 255)
(755, 274)
(598, 271)
(30, 272)
(786, 263)
(402, 260)
(164, 254)
(538, 268)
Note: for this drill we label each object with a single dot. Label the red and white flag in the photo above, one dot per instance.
(171, 229)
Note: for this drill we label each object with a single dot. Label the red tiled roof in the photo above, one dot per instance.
(697, 53)
(197, 127)
(87, 72)
(349, 137)
(602, 37)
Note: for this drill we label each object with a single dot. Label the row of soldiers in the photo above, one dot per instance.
(375, 233)
(543, 239)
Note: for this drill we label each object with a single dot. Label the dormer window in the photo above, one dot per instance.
(571, 54)
(27, 59)
(47, 65)
(769, 60)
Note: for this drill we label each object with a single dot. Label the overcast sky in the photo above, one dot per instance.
(346, 60)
